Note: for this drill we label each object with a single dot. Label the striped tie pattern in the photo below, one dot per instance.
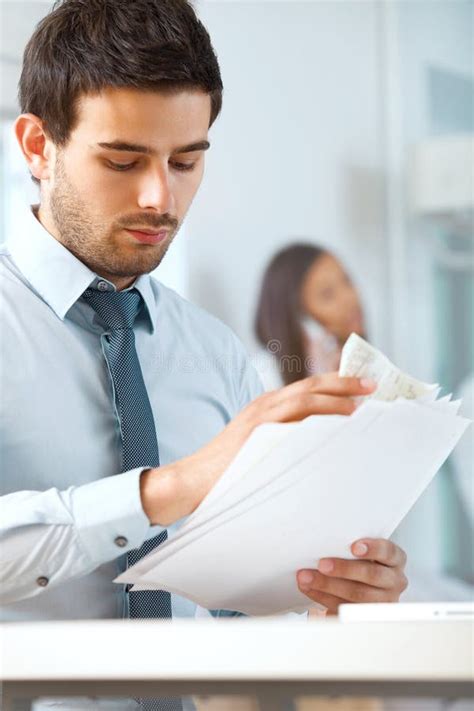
(118, 310)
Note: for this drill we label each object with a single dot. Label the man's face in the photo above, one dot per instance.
(132, 164)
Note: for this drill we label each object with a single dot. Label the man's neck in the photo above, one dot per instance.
(44, 217)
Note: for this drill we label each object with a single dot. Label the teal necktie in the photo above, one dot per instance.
(118, 310)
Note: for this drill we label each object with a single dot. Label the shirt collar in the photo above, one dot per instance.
(56, 274)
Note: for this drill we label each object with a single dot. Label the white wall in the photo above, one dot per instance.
(296, 151)
(17, 21)
(430, 33)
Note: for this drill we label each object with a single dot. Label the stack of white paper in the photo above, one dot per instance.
(301, 491)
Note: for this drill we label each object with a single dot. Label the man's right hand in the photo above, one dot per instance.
(175, 490)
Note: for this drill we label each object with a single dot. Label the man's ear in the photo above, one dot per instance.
(35, 145)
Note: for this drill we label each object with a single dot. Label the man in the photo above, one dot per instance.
(108, 436)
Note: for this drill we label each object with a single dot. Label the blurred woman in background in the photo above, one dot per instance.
(308, 307)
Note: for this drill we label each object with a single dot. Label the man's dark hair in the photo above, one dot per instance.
(85, 46)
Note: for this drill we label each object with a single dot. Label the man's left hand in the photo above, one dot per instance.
(377, 576)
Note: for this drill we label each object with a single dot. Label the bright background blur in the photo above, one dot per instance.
(348, 123)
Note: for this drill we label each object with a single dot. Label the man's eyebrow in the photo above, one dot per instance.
(136, 148)
(198, 146)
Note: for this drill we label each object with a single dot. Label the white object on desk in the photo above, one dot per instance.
(408, 611)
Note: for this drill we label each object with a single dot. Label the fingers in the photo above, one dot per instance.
(332, 384)
(297, 408)
(345, 590)
(376, 577)
(318, 395)
(326, 394)
(329, 601)
(380, 550)
(367, 572)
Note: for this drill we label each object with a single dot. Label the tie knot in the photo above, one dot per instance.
(118, 309)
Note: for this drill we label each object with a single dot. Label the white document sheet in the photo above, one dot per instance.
(278, 462)
(360, 483)
(301, 491)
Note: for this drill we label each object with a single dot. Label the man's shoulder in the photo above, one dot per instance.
(203, 341)
(194, 319)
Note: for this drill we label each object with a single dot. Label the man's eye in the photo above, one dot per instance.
(183, 166)
(120, 166)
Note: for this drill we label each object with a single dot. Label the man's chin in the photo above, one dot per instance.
(129, 273)
(135, 269)
(143, 262)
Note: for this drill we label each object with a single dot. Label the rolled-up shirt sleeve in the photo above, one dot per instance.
(47, 538)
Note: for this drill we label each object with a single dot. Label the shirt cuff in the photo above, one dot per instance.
(109, 516)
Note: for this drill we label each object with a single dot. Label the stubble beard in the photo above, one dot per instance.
(94, 243)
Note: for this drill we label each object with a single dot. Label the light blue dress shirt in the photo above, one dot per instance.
(67, 515)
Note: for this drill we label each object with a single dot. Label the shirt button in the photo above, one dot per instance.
(102, 286)
(42, 581)
(121, 541)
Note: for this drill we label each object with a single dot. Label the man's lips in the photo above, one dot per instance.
(149, 236)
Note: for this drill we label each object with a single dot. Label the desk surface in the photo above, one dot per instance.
(237, 650)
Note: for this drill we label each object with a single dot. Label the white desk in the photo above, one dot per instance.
(268, 658)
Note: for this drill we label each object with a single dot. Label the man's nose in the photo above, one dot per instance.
(155, 191)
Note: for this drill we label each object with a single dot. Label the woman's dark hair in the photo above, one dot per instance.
(85, 46)
(277, 323)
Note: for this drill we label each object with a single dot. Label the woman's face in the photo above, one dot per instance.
(328, 296)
